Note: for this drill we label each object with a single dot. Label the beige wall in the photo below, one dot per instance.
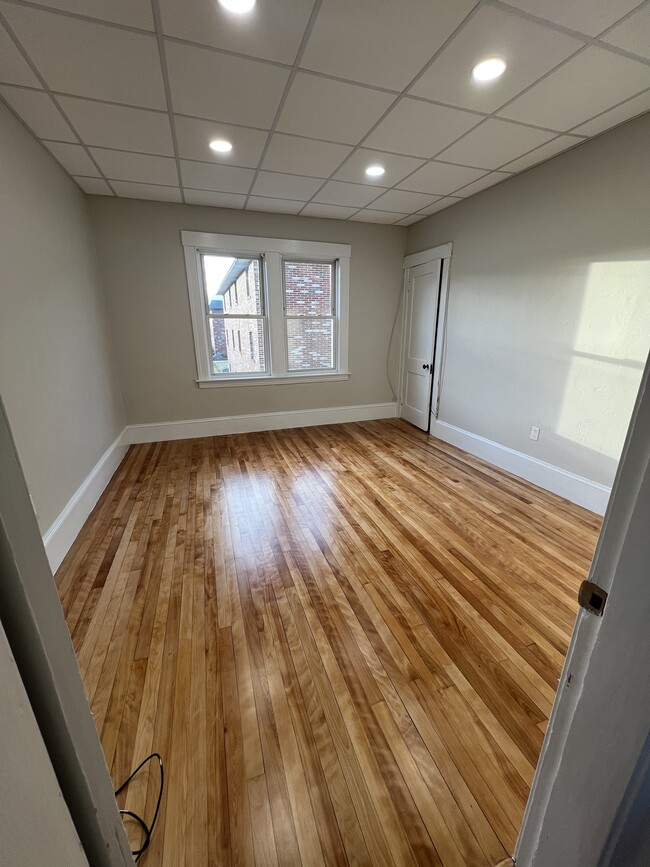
(56, 379)
(143, 272)
(549, 307)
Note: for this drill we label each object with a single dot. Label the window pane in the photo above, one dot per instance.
(308, 288)
(233, 285)
(237, 345)
(310, 344)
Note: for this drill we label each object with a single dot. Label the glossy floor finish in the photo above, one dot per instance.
(343, 640)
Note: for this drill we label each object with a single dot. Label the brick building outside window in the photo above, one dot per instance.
(238, 343)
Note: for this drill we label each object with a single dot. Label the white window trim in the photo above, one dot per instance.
(273, 251)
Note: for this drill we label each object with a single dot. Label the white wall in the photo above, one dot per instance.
(549, 307)
(143, 272)
(57, 379)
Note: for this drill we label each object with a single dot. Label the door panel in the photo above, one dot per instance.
(421, 312)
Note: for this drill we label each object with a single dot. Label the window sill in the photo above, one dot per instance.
(271, 380)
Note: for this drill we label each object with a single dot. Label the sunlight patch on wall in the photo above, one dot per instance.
(607, 359)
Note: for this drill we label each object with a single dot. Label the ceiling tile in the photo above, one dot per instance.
(590, 17)
(146, 191)
(368, 216)
(141, 168)
(94, 186)
(208, 84)
(273, 30)
(408, 221)
(591, 82)
(194, 137)
(330, 212)
(226, 179)
(494, 143)
(14, 69)
(88, 59)
(397, 167)
(282, 186)
(39, 112)
(331, 110)
(134, 13)
(420, 129)
(339, 193)
(73, 158)
(440, 178)
(633, 34)
(275, 206)
(530, 50)
(482, 184)
(118, 126)
(627, 110)
(290, 154)
(352, 40)
(402, 201)
(215, 200)
(559, 144)
(440, 205)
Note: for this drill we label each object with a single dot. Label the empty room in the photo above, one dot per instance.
(324, 433)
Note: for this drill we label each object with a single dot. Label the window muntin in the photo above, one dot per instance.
(309, 300)
(231, 307)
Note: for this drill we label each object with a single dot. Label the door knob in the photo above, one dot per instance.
(425, 367)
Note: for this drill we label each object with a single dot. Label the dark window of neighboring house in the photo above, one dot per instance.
(239, 339)
(251, 344)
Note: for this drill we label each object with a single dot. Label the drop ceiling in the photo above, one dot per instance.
(127, 94)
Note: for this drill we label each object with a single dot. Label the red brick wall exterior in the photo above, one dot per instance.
(308, 293)
(245, 337)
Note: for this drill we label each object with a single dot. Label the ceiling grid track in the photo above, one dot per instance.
(466, 171)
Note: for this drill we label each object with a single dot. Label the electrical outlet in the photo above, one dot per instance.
(534, 432)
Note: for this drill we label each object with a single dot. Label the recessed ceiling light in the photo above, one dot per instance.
(375, 171)
(488, 70)
(221, 146)
(238, 6)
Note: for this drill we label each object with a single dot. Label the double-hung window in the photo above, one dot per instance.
(267, 310)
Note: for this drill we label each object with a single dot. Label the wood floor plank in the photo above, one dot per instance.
(344, 641)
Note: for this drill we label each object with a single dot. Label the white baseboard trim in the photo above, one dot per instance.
(234, 424)
(577, 489)
(60, 536)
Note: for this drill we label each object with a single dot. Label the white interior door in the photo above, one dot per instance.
(417, 365)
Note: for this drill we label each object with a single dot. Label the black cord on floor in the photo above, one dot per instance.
(148, 829)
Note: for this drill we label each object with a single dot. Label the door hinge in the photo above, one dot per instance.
(592, 598)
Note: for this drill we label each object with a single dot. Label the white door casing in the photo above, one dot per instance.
(419, 338)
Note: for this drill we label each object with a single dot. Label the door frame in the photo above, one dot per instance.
(32, 618)
(442, 252)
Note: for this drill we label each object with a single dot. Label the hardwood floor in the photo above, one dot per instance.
(344, 641)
